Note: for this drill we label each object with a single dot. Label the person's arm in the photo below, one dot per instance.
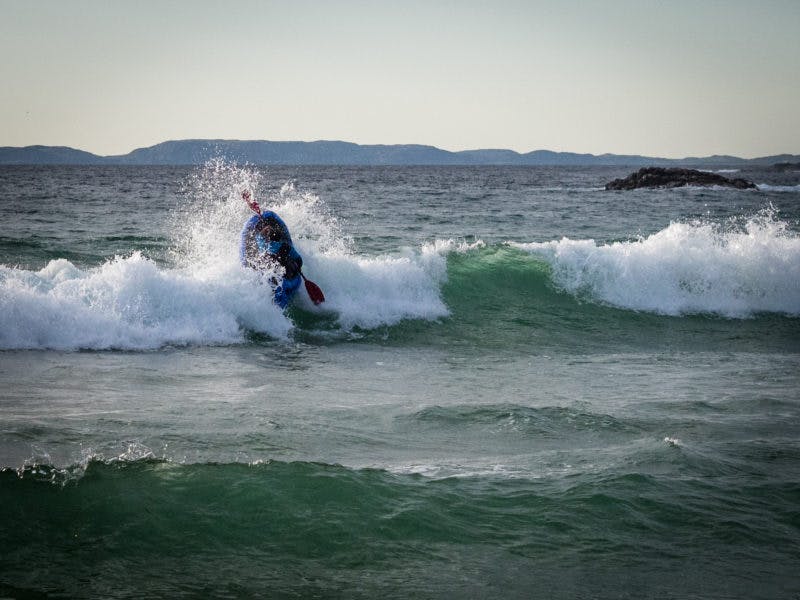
(290, 260)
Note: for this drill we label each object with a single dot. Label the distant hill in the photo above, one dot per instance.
(194, 152)
(47, 155)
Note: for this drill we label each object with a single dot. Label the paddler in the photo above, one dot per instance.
(267, 245)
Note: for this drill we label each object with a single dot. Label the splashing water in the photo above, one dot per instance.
(363, 291)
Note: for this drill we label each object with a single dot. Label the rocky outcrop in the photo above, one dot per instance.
(660, 177)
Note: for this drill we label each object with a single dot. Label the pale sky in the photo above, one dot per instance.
(671, 78)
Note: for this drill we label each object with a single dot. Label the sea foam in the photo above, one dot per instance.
(732, 269)
(127, 303)
(766, 187)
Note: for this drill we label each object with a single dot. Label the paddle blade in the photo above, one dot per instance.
(316, 295)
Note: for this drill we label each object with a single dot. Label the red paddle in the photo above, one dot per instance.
(251, 202)
(314, 292)
(316, 295)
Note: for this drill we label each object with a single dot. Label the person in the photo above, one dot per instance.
(267, 245)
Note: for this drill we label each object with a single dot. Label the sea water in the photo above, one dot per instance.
(520, 385)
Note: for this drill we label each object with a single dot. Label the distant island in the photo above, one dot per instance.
(196, 152)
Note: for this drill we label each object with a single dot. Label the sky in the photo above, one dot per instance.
(665, 78)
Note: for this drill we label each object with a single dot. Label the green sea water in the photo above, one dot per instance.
(520, 385)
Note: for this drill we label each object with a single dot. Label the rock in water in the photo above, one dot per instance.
(661, 177)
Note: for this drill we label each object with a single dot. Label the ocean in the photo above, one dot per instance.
(520, 386)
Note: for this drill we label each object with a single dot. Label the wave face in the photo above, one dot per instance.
(310, 529)
(728, 270)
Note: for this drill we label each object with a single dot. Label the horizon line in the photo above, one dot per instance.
(411, 144)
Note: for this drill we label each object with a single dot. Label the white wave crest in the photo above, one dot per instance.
(765, 187)
(128, 303)
(686, 268)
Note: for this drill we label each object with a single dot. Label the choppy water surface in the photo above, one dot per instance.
(520, 385)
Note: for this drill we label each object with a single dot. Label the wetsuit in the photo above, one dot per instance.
(265, 248)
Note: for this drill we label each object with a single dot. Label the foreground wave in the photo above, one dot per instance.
(310, 528)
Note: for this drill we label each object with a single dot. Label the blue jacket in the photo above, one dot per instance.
(263, 248)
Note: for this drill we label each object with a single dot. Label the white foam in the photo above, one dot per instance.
(127, 303)
(449, 470)
(697, 267)
(765, 187)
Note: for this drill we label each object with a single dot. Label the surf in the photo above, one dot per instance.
(517, 292)
(735, 269)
